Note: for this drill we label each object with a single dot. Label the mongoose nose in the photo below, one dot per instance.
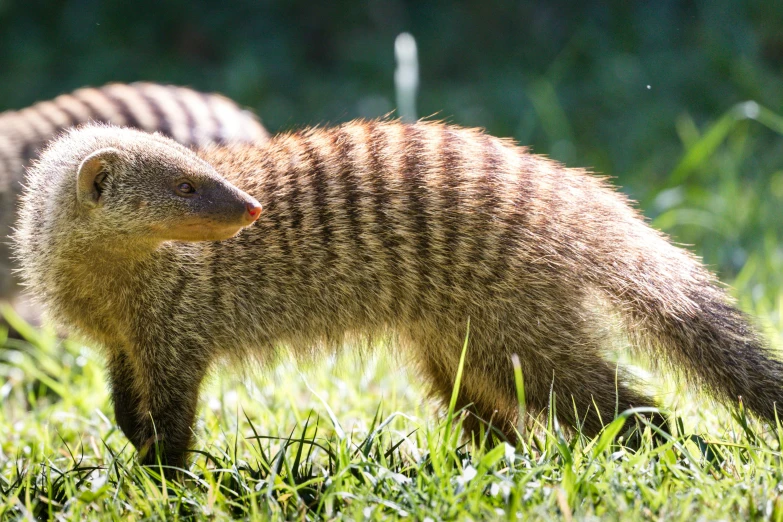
(253, 210)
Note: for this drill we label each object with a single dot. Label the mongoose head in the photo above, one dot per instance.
(136, 187)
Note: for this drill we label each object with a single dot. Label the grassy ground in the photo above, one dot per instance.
(355, 440)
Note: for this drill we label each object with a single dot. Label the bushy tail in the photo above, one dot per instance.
(677, 312)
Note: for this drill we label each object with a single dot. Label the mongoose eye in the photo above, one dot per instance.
(185, 188)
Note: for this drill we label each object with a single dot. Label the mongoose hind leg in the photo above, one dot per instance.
(155, 401)
(495, 411)
(487, 390)
(561, 347)
(587, 393)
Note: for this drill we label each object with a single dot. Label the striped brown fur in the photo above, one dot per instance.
(373, 229)
(190, 117)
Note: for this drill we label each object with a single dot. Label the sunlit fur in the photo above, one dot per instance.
(188, 116)
(377, 228)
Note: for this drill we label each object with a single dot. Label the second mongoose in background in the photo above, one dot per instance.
(188, 116)
(369, 229)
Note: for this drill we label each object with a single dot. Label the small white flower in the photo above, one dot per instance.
(97, 481)
(468, 474)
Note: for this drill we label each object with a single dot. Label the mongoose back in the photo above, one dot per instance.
(188, 116)
(371, 228)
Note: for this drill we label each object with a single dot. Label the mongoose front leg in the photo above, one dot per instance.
(125, 396)
(155, 399)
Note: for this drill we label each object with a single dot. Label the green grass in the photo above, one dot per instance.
(355, 441)
(358, 440)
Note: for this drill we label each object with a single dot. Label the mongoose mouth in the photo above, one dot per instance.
(203, 231)
(206, 229)
(200, 229)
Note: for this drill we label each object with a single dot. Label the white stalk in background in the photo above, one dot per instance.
(406, 77)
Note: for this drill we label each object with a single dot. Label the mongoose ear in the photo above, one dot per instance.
(92, 175)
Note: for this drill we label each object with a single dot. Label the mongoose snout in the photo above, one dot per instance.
(253, 210)
(214, 209)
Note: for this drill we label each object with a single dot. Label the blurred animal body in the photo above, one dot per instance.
(190, 117)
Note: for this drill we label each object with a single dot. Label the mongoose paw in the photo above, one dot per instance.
(153, 452)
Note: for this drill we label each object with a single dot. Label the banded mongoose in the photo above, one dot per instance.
(190, 117)
(369, 229)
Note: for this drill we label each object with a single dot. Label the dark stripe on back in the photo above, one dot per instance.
(95, 114)
(416, 194)
(294, 202)
(515, 225)
(208, 99)
(349, 182)
(7, 164)
(29, 150)
(321, 201)
(216, 278)
(122, 107)
(350, 186)
(274, 211)
(70, 118)
(494, 164)
(74, 118)
(33, 144)
(381, 202)
(190, 121)
(180, 285)
(295, 242)
(162, 122)
(482, 220)
(53, 126)
(450, 213)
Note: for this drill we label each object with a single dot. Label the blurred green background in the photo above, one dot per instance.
(646, 92)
